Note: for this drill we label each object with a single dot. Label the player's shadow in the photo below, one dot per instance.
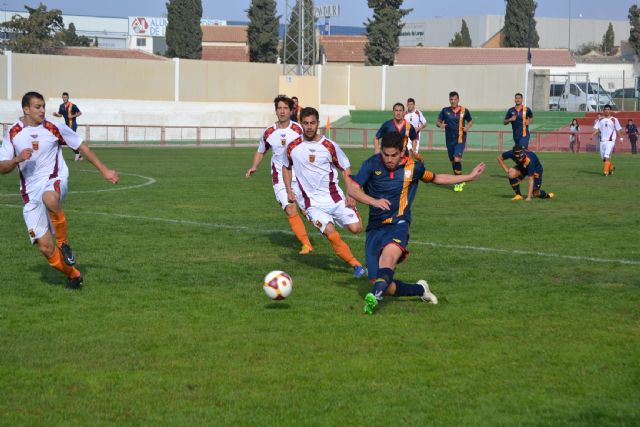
(590, 172)
(53, 277)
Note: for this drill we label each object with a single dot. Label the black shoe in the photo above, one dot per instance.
(67, 254)
(75, 283)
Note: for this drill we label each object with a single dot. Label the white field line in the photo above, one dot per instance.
(147, 181)
(348, 236)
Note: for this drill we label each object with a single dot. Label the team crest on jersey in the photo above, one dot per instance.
(35, 145)
(283, 139)
(397, 241)
(312, 158)
(32, 233)
(378, 173)
(407, 173)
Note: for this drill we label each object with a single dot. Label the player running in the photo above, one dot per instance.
(456, 121)
(315, 160)
(607, 130)
(527, 164)
(277, 137)
(34, 146)
(398, 125)
(417, 120)
(388, 182)
(520, 117)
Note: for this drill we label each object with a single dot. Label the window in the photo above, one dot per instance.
(574, 90)
(140, 42)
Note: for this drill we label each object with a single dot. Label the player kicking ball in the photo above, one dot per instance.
(527, 164)
(388, 182)
(33, 145)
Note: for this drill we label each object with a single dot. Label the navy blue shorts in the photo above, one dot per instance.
(537, 177)
(455, 149)
(522, 140)
(378, 238)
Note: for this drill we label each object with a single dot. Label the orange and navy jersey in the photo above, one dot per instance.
(398, 186)
(455, 119)
(65, 109)
(520, 126)
(404, 129)
(529, 164)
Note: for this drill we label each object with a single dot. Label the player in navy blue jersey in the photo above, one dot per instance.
(69, 111)
(388, 182)
(456, 121)
(527, 164)
(400, 126)
(520, 117)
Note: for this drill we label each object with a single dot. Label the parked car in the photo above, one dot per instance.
(585, 96)
(627, 98)
(555, 92)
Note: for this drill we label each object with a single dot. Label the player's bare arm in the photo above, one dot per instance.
(287, 177)
(108, 174)
(468, 126)
(56, 114)
(447, 179)
(510, 119)
(350, 201)
(503, 164)
(358, 194)
(441, 124)
(257, 159)
(7, 166)
(530, 192)
(376, 145)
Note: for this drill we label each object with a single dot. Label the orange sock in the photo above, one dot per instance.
(607, 164)
(59, 222)
(298, 229)
(56, 262)
(610, 166)
(342, 249)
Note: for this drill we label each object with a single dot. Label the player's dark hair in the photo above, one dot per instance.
(398, 104)
(607, 106)
(411, 100)
(65, 93)
(285, 99)
(392, 140)
(518, 150)
(309, 111)
(518, 94)
(453, 93)
(294, 97)
(26, 99)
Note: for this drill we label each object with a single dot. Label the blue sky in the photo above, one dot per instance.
(353, 12)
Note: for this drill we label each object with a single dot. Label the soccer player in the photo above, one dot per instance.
(316, 160)
(34, 146)
(400, 126)
(295, 110)
(388, 182)
(69, 111)
(520, 117)
(632, 133)
(607, 130)
(417, 120)
(527, 164)
(276, 138)
(456, 122)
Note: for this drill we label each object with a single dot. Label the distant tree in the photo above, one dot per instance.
(70, 38)
(585, 48)
(383, 31)
(634, 32)
(262, 32)
(35, 33)
(293, 32)
(462, 38)
(184, 35)
(608, 41)
(516, 23)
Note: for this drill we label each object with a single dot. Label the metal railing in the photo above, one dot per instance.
(216, 136)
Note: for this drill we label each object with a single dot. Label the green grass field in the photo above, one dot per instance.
(538, 321)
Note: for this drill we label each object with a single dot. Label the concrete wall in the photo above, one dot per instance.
(92, 77)
(335, 84)
(3, 77)
(407, 82)
(366, 84)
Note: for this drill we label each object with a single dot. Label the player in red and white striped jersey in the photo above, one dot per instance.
(316, 160)
(33, 145)
(277, 137)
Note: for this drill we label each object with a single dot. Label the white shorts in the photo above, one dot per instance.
(36, 214)
(280, 192)
(336, 213)
(606, 147)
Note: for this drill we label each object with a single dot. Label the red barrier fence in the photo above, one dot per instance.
(209, 136)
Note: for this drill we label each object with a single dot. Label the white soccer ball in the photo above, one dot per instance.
(277, 285)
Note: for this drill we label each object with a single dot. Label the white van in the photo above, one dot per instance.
(584, 96)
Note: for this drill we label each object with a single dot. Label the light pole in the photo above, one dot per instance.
(569, 44)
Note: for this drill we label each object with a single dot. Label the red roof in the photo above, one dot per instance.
(99, 52)
(344, 48)
(480, 56)
(225, 53)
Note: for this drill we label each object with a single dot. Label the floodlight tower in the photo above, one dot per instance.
(299, 49)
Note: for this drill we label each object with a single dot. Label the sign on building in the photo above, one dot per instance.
(327, 11)
(154, 26)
